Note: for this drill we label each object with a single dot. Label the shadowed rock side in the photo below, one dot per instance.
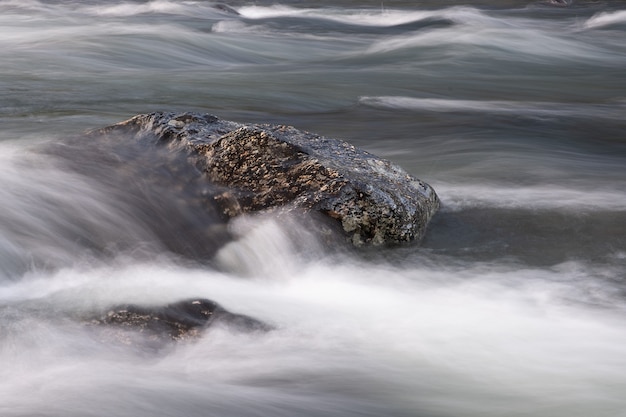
(261, 167)
(156, 326)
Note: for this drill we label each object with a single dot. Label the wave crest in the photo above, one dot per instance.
(606, 19)
(506, 107)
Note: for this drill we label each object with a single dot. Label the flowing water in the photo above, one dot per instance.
(514, 304)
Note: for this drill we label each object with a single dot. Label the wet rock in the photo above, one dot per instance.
(157, 325)
(226, 9)
(561, 2)
(276, 167)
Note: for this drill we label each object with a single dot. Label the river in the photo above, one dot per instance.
(512, 305)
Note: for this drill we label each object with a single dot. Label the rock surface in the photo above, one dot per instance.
(183, 320)
(276, 167)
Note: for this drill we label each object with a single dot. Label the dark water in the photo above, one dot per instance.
(513, 305)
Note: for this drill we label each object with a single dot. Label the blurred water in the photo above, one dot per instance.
(511, 306)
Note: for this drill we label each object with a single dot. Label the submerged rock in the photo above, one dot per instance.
(276, 167)
(136, 325)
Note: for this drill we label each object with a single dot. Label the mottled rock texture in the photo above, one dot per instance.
(276, 167)
(183, 320)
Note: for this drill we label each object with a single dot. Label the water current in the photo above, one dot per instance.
(513, 304)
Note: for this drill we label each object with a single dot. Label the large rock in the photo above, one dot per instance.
(276, 167)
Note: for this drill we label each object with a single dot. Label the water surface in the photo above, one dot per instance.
(513, 305)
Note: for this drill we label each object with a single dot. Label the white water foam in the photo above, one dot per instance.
(53, 217)
(514, 39)
(549, 197)
(132, 9)
(606, 19)
(507, 107)
(476, 340)
(372, 17)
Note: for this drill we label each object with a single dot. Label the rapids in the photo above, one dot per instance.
(513, 304)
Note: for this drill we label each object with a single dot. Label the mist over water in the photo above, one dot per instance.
(513, 304)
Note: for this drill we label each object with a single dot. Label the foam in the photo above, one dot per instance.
(507, 107)
(606, 19)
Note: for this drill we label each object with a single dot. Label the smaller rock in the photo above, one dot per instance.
(184, 320)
